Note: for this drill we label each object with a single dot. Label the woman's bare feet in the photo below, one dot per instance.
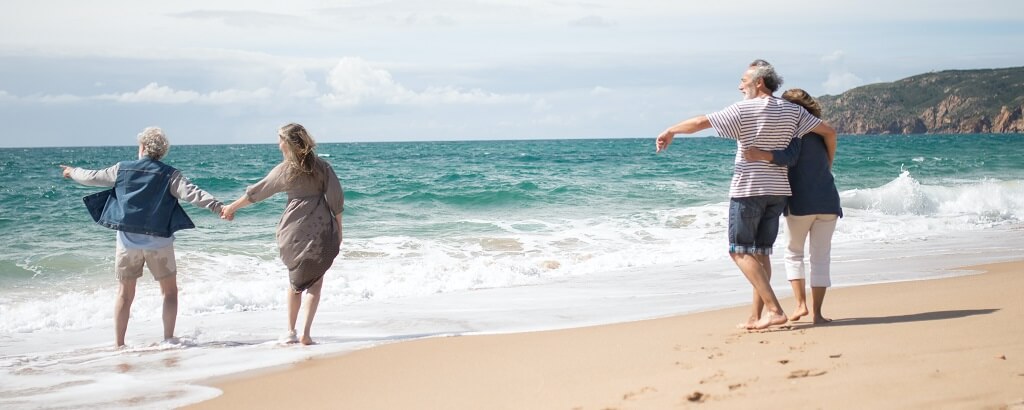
(770, 319)
(801, 311)
(306, 340)
(820, 320)
(289, 338)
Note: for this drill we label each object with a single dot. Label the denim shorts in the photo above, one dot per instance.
(754, 223)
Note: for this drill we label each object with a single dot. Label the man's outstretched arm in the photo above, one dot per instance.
(689, 126)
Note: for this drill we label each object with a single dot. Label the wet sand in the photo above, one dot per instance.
(944, 343)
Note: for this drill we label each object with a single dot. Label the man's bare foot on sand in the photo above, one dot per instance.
(801, 311)
(821, 320)
(770, 319)
(751, 322)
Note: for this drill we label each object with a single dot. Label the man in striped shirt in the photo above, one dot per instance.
(758, 190)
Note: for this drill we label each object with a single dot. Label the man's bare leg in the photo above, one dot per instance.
(817, 298)
(800, 294)
(169, 288)
(757, 276)
(757, 304)
(312, 301)
(122, 309)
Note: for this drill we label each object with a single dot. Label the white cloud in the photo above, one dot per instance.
(162, 94)
(592, 22)
(840, 78)
(55, 99)
(295, 84)
(839, 82)
(244, 19)
(599, 90)
(353, 81)
(40, 98)
(153, 93)
(233, 96)
(837, 57)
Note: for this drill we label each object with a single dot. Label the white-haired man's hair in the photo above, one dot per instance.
(154, 143)
(763, 70)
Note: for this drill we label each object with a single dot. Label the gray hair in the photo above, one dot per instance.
(154, 143)
(763, 70)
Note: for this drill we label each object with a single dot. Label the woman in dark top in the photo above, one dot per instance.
(812, 211)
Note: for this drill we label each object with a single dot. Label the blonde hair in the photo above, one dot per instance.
(300, 155)
(801, 98)
(154, 143)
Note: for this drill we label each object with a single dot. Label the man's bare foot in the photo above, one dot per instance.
(306, 340)
(820, 320)
(770, 319)
(751, 322)
(801, 311)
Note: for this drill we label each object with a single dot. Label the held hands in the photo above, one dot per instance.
(228, 213)
(66, 170)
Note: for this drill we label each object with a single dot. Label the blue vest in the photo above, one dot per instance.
(141, 201)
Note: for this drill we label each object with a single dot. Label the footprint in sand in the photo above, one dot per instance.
(714, 352)
(631, 395)
(796, 374)
(719, 375)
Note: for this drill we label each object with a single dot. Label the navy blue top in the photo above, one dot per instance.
(814, 188)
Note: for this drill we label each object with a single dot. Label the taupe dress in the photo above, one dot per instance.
(307, 234)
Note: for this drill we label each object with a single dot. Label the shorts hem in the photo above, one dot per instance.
(752, 250)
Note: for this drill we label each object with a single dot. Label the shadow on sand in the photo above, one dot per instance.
(914, 317)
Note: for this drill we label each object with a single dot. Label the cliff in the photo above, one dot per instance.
(946, 102)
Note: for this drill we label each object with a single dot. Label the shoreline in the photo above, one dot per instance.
(939, 342)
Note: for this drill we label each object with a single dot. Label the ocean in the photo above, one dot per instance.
(453, 238)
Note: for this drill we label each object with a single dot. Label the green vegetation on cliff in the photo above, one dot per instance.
(946, 102)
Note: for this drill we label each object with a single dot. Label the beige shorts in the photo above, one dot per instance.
(128, 262)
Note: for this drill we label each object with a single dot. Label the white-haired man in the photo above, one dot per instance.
(758, 190)
(143, 207)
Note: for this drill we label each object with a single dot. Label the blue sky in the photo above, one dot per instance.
(95, 73)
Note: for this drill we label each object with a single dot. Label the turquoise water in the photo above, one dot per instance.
(453, 238)
(438, 216)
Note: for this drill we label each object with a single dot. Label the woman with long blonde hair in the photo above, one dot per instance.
(309, 233)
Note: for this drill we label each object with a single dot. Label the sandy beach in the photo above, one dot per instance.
(945, 343)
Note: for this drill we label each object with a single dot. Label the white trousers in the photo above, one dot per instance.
(819, 228)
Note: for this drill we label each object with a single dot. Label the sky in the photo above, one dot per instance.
(76, 73)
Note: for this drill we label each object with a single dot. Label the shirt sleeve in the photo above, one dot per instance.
(727, 123)
(333, 191)
(806, 123)
(104, 177)
(276, 181)
(185, 190)
(789, 156)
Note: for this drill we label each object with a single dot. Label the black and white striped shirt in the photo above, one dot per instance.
(767, 123)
